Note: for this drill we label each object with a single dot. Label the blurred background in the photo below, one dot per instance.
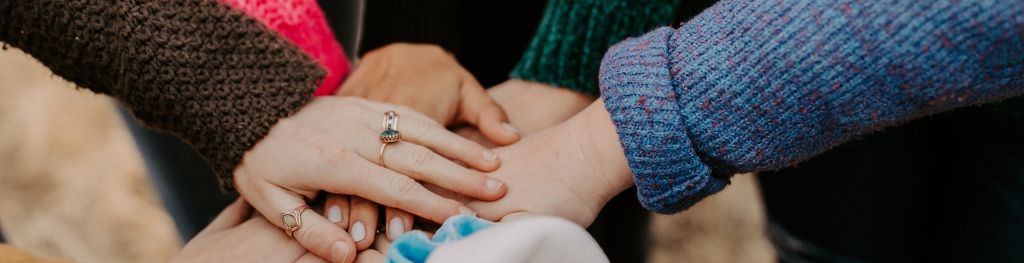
(73, 185)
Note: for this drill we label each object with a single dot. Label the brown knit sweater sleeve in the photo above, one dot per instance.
(194, 68)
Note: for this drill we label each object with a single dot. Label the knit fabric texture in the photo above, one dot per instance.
(574, 34)
(415, 246)
(303, 23)
(760, 85)
(195, 68)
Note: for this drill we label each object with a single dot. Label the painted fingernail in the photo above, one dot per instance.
(396, 227)
(466, 211)
(358, 231)
(334, 214)
(490, 156)
(508, 127)
(493, 184)
(339, 251)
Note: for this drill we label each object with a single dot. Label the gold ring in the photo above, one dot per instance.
(381, 158)
(293, 219)
(390, 133)
(390, 120)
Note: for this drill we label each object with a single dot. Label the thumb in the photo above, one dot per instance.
(480, 110)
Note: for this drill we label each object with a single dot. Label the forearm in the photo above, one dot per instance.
(752, 85)
(573, 35)
(194, 68)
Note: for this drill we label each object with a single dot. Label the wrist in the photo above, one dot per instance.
(594, 133)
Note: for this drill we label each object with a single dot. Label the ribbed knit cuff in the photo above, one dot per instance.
(637, 89)
(411, 21)
(573, 35)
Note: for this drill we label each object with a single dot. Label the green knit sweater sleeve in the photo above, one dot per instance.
(574, 34)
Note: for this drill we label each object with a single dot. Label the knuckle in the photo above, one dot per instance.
(421, 159)
(314, 237)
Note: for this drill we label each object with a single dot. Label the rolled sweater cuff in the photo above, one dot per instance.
(637, 89)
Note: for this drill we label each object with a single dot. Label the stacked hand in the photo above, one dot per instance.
(569, 170)
(332, 146)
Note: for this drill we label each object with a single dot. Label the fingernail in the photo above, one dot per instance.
(395, 228)
(358, 231)
(339, 251)
(508, 127)
(490, 156)
(466, 211)
(334, 214)
(493, 184)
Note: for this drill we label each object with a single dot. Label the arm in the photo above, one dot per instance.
(682, 109)
(304, 25)
(559, 68)
(194, 68)
(573, 35)
(753, 85)
(220, 80)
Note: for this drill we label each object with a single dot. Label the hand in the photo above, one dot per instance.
(236, 237)
(332, 145)
(359, 217)
(375, 254)
(570, 170)
(429, 80)
(520, 99)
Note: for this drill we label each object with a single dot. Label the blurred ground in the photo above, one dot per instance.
(726, 227)
(72, 185)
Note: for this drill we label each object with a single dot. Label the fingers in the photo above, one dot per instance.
(480, 110)
(233, 215)
(364, 222)
(324, 238)
(370, 256)
(398, 222)
(315, 233)
(388, 188)
(382, 244)
(421, 164)
(336, 208)
(419, 130)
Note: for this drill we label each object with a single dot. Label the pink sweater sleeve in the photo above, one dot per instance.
(303, 23)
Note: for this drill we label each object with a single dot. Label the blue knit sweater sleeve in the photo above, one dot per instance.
(759, 85)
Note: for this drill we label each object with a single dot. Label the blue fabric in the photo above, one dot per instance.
(760, 85)
(415, 247)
